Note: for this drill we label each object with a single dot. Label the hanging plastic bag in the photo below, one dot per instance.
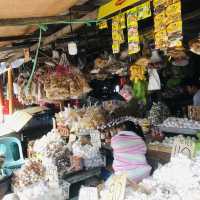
(139, 90)
(154, 80)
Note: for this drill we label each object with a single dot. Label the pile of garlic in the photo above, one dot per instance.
(181, 123)
(169, 141)
(177, 180)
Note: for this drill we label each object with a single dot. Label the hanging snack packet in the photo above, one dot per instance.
(122, 21)
(161, 39)
(174, 31)
(173, 12)
(132, 17)
(103, 24)
(121, 37)
(116, 37)
(133, 36)
(144, 10)
(169, 2)
(160, 21)
(159, 6)
(115, 47)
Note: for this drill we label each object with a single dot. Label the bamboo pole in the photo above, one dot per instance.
(1, 93)
(10, 91)
(1, 101)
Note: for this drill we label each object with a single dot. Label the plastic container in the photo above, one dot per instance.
(11, 148)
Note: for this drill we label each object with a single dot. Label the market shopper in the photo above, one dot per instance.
(129, 151)
(193, 88)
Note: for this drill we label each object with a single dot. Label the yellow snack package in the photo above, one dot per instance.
(103, 24)
(173, 12)
(115, 36)
(132, 18)
(175, 27)
(157, 3)
(122, 21)
(121, 37)
(160, 21)
(115, 23)
(169, 2)
(115, 47)
(144, 10)
(161, 39)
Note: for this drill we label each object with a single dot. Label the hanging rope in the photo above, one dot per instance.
(35, 60)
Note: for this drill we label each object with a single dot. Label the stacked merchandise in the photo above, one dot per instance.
(181, 123)
(103, 67)
(33, 182)
(65, 83)
(158, 113)
(53, 148)
(171, 181)
(84, 118)
(50, 84)
(167, 23)
(169, 141)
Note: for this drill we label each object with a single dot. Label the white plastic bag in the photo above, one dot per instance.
(154, 80)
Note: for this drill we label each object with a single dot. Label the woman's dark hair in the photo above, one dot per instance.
(130, 126)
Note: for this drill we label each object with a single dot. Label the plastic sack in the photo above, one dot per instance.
(10, 197)
(154, 80)
(40, 191)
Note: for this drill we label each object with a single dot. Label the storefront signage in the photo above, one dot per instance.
(114, 6)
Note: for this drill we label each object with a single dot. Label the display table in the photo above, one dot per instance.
(75, 179)
(158, 154)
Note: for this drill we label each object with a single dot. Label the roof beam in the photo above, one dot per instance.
(33, 20)
(47, 40)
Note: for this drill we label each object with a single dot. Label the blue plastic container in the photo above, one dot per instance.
(11, 148)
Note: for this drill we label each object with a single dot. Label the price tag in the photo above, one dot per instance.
(88, 193)
(183, 146)
(117, 187)
(52, 176)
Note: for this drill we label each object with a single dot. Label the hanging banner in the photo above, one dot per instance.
(114, 6)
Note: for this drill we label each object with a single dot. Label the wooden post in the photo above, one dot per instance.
(10, 91)
(1, 100)
(1, 93)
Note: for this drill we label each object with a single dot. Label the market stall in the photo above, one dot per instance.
(100, 105)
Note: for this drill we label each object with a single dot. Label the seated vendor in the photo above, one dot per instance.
(129, 151)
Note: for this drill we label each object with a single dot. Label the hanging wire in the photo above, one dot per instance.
(35, 60)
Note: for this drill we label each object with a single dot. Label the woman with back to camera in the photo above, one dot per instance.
(129, 150)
